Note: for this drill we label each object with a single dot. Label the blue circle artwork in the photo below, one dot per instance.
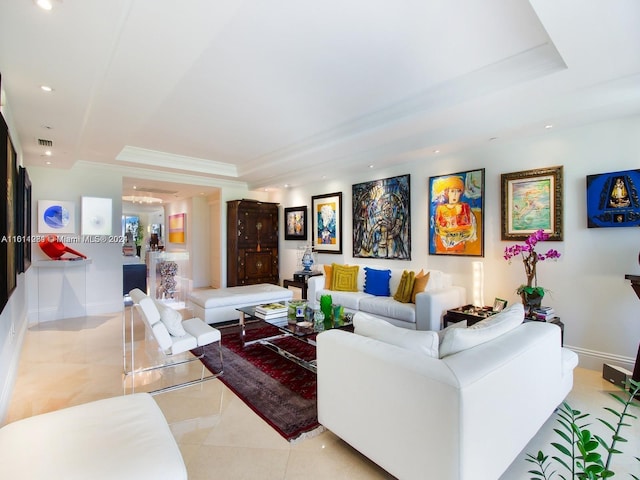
(56, 216)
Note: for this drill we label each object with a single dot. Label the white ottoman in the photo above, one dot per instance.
(124, 438)
(219, 304)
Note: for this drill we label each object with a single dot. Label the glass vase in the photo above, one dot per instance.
(318, 321)
(326, 308)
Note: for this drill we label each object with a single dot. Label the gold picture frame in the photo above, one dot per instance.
(531, 201)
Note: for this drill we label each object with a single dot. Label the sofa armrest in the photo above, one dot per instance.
(314, 285)
(433, 304)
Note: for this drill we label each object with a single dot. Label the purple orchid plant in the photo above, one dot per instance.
(530, 258)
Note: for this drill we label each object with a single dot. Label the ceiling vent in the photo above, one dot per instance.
(45, 143)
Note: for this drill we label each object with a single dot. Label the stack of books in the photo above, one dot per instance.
(543, 313)
(271, 310)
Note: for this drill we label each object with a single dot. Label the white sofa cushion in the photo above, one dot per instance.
(425, 342)
(171, 319)
(458, 339)
(388, 307)
(125, 437)
(349, 300)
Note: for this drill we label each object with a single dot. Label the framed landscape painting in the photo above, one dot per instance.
(613, 200)
(382, 219)
(532, 200)
(327, 222)
(456, 214)
(295, 223)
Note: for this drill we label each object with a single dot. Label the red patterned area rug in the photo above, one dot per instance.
(278, 390)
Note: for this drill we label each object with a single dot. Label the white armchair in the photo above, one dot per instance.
(174, 336)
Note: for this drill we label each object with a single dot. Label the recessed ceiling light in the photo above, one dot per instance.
(47, 162)
(44, 4)
(286, 185)
(370, 166)
(48, 153)
(46, 88)
(548, 126)
(436, 151)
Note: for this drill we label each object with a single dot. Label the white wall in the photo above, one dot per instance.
(588, 289)
(104, 274)
(13, 325)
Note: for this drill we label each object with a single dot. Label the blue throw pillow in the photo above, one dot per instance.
(376, 282)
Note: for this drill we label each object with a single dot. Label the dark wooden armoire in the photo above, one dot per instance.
(252, 242)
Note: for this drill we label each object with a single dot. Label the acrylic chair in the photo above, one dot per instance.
(197, 335)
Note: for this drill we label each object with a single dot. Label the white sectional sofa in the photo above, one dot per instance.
(426, 314)
(465, 416)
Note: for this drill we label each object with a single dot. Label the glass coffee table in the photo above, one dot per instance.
(302, 331)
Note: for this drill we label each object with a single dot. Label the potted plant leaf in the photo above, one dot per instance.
(586, 455)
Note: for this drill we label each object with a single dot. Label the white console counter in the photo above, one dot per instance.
(62, 288)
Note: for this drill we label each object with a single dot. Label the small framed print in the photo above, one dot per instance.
(531, 201)
(295, 223)
(499, 304)
(327, 222)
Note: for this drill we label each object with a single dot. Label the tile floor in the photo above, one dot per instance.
(73, 361)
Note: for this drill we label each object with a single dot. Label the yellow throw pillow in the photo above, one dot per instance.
(419, 285)
(328, 277)
(344, 278)
(405, 288)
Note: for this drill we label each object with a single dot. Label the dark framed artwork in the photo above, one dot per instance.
(612, 199)
(4, 246)
(456, 214)
(327, 222)
(382, 218)
(295, 223)
(532, 200)
(8, 221)
(24, 220)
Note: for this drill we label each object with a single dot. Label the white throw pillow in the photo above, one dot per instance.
(171, 319)
(458, 339)
(425, 342)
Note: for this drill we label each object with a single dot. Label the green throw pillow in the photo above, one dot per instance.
(405, 288)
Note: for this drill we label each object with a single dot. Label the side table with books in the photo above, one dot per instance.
(469, 313)
(472, 315)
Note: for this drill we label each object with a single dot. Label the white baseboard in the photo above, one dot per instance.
(52, 314)
(593, 359)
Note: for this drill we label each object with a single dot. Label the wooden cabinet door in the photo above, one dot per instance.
(252, 243)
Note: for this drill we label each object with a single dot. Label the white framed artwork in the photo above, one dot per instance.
(96, 216)
(55, 216)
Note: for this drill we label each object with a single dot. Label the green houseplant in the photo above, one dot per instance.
(585, 455)
(139, 237)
